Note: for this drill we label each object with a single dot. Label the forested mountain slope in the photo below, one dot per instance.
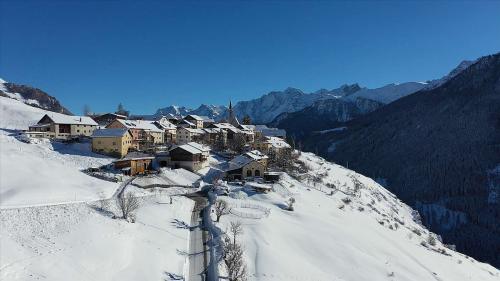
(438, 150)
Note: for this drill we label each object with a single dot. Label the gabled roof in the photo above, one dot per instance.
(223, 126)
(256, 155)
(193, 148)
(184, 121)
(165, 124)
(103, 133)
(59, 118)
(119, 116)
(195, 117)
(198, 146)
(140, 124)
(244, 159)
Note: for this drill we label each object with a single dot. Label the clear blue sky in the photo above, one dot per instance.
(156, 53)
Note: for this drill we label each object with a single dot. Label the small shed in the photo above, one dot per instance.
(135, 163)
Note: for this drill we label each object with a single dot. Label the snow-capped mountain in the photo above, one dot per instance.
(269, 106)
(174, 110)
(211, 111)
(31, 96)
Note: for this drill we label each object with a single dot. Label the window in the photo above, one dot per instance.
(77, 131)
(249, 173)
(98, 142)
(257, 173)
(114, 143)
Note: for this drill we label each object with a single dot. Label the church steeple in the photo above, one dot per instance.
(233, 120)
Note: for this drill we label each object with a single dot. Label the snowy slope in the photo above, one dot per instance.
(78, 242)
(15, 114)
(374, 237)
(43, 173)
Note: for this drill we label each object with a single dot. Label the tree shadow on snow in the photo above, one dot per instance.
(180, 224)
(172, 276)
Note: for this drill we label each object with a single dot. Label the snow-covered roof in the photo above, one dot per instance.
(277, 142)
(103, 133)
(212, 130)
(59, 118)
(223, 126)
(193, 148)
(198, 146)
(247, 127)
(244, 159)
(165, 124)
(195, 117)
(140, 124)
(239, 162)
(256, 155)
(184, 121)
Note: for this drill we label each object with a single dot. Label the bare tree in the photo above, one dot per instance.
(127, 204)
(103, 202)
(236, 229)
(233, 254)
(221, 208)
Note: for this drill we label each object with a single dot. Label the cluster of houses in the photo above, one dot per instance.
(169, 141)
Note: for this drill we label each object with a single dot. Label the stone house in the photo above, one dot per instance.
(250, 164)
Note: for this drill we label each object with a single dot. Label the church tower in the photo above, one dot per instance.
(232, 119)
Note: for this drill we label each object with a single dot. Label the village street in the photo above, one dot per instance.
(199, 236)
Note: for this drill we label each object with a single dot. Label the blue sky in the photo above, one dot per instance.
(156, 53)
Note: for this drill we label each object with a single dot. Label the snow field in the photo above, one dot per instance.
(78, 240)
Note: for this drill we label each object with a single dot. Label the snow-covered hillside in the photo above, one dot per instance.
(46, 172)
(52, 226)
(360, 232)
(31, 96)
